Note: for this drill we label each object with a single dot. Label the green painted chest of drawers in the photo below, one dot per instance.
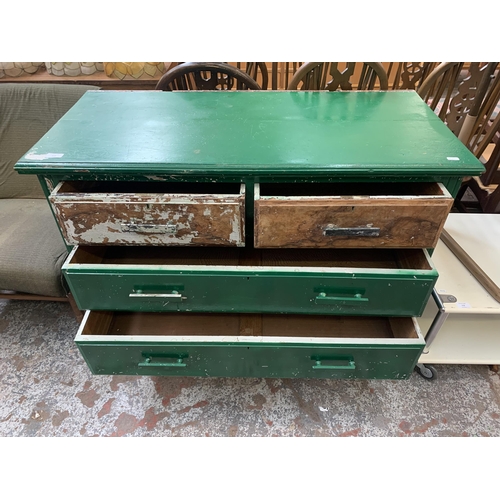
(263, 234)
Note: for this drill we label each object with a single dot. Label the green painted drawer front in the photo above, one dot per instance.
(364, 357)
(251, 289)
(244, 360)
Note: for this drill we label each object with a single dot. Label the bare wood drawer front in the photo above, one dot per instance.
(370, 282)
(150, 213)
(222, 345)
(350, 215)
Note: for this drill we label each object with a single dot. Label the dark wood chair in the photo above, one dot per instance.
(282, 74)
(257, 71)
(328, 76)
(485, 188)
(206, 76)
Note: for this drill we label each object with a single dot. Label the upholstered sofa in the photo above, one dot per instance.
(32, 250)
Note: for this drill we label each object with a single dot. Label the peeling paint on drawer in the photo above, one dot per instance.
(130, 219)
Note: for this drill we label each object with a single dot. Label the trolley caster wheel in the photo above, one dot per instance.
(426, 371)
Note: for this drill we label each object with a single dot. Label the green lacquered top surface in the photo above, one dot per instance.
(251, 133)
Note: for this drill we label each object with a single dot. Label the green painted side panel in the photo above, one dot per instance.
(249, 360)
(393, 293)
(251, 133)
(453, 186)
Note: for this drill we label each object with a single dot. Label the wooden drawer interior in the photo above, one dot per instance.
(350, 189)
(375, 258)
(292, 327)
(143, 188)
(249, 345)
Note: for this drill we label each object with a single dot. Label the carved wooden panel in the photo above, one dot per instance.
(340, 78)
(409, 75)
(462, 101)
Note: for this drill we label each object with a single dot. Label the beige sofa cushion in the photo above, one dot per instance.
(27, 112)
(32, 249)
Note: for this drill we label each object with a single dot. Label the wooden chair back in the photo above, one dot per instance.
(257, 71)
(451, 90)
(329, 76)
(408, 75)
(206, 76)
(280, 75)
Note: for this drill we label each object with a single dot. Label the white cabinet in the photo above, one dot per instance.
(470, 333)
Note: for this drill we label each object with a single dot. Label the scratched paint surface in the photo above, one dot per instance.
(47, 390)
(125, 219)
(252, 133)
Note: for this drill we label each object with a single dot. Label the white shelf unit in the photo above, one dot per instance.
(470, 333)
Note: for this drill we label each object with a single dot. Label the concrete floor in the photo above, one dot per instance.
(46, 389)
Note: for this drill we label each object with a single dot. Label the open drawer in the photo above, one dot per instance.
(150, 213)
(233, 345)
(299, 281)
(350, 215)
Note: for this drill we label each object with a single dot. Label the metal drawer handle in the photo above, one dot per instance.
(349, 366)
(364, 232)
(158, 364)
(134, 227)
(173, 295)
(323, 297)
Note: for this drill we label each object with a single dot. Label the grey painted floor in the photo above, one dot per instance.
(46, 389)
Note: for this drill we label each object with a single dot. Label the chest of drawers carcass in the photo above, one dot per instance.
(250, 234)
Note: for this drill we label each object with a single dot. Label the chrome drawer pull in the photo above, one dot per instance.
(148, 362)
(349, 366)
(370, 232)
(323, 297)
(133, 227)
(173, 295)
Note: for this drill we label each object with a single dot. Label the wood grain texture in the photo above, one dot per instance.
(194, 219)
(403, 328)
(251, 324)
(98, 323)
(129, 323)
(327, 326)
(402, 223)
